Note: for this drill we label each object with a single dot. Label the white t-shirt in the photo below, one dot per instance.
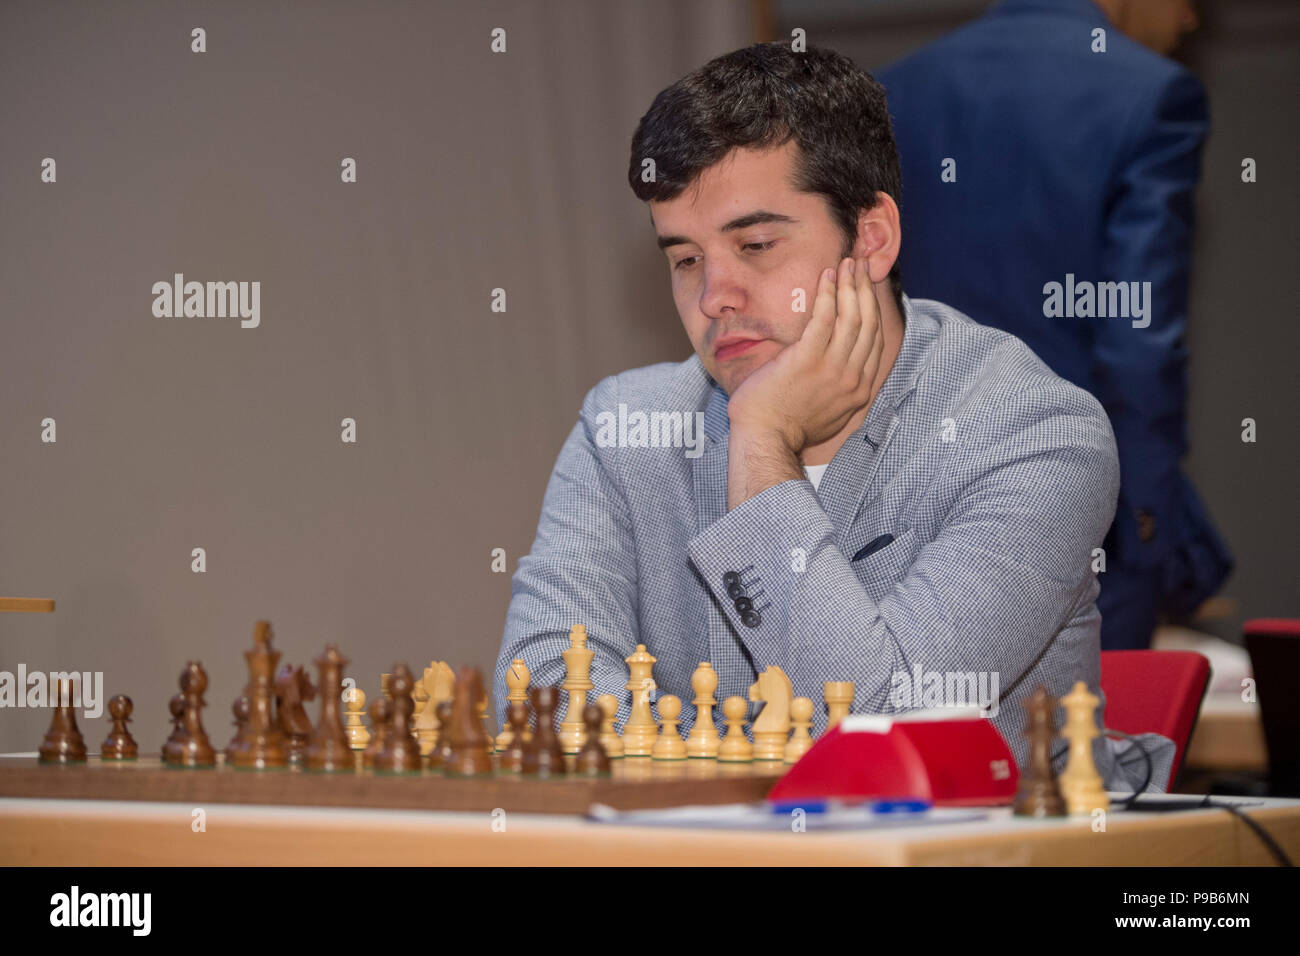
(814, 473)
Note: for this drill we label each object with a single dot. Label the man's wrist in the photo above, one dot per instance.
(757, 459)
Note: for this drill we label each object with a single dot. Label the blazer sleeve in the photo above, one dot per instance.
(996, 584)
(581, 570)
(1140, 365)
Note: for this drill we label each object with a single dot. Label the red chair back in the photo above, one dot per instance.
(1155, 692)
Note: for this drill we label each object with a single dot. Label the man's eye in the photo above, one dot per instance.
(685, 263)
(761, 246)
(756, 246)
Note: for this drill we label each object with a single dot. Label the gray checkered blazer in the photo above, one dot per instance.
(995, 478)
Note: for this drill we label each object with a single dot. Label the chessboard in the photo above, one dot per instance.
(633, 783)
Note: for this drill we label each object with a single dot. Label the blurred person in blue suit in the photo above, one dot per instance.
(1050, 152)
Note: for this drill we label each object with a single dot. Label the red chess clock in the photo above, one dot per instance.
(950, 759)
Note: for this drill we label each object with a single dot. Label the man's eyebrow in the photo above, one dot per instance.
(757, 218)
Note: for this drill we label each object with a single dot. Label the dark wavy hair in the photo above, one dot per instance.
(764, 96)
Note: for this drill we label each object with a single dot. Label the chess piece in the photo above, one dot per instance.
(512, 758)
(441, 752)
(592, 759)
(239, 709)
(485, 721)
(735, 746)
(839, 698)
(772, 728)
(703, 738)
(401, 754)
(420, 695)
(194, 750)
(471, 750)
(119, 745)
(670, 745)
(1038, 795)
(1080, 783)
(801, 712)
(172, 747)
(543, 755)
(381, 714)
(577, 681)
(609, 738)
(439, 683)
(63, 742)
(263, 744)
(328, 748)
(517, 675)
(292, 687)
(354, 699)
(640, 731)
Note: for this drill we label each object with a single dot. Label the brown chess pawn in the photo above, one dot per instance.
(119, 744)
(194, 750)
(401, 753)
(327, 748)
(544, 755)
(171, 749)
(263, 745)
(1038, 794)
(512, 758)
(240, 710)
(63, 742)
(592, 759)
(471, 749)
(381, 712)
(441, 752)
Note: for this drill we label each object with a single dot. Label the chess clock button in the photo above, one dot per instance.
(751, 619)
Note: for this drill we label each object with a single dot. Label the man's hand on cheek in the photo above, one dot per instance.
(808, 392)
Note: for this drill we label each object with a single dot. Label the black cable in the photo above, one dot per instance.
(1270, 844)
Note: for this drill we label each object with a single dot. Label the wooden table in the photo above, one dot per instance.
(82, 827)
(1228, 736)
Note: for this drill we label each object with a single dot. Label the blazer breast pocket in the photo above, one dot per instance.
(882, 562)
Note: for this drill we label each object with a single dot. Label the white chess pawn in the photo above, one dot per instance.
(735, 746)
(354, 699)
(669, 746)
(801, 712)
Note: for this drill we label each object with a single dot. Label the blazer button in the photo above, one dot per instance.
(734, 591)
(744, 604)
(751, 619)
(730, 578)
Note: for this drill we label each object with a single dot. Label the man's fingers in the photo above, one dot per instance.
(848, 319)
(818, 330)
(869, 337)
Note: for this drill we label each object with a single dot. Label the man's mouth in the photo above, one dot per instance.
(731, 347)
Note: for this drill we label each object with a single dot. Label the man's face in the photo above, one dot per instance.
(739, 242)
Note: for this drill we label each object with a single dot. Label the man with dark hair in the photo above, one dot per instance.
(885, 492)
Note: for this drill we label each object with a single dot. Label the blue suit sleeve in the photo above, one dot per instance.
(1140, 365)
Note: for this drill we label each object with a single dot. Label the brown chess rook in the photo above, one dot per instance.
(327, 748)
(471, 749)
(544, 756)
(592, 759)
(401, 754)
(63, 742)
(194, 749)
(119, 744)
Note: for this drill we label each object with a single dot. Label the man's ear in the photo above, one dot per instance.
(880, 236)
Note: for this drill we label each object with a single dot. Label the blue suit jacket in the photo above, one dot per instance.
(1069, 163)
